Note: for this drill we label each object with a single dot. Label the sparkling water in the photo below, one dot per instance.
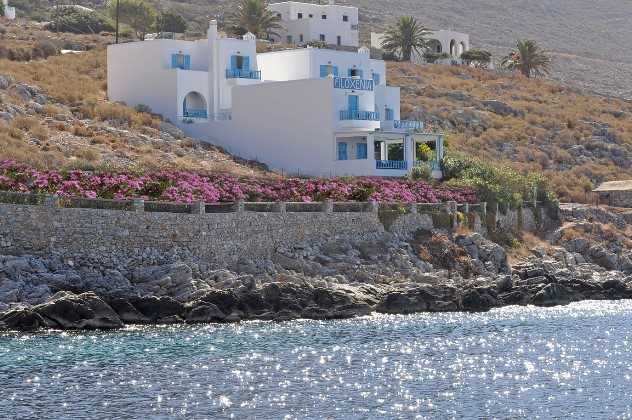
(516, 362)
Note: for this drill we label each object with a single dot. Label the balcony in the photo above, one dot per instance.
(195, 113)
(243, 74)
(359, 116)
(391, 164)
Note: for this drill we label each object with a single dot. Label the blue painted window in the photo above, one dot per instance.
(354, 103)
(342, 151)
(376, 78)
(181, 61)
(245, 65)
(361, 151)
(327, 69)
(390, 114)
(233, 62)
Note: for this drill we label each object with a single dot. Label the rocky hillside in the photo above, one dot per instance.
(576, 139)
(588, 41)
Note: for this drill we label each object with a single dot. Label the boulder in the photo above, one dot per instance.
(21, 91)
(551, 295)
(157, 308)
(22, 319)
(84, 311)
(127, 312)
(204, 312)
(478, 299)
(501, 108)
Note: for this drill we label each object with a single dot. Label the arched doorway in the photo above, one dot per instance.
(194, 106)
(435, 46)
(453, 48)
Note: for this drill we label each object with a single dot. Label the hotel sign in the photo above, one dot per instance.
(351, 83)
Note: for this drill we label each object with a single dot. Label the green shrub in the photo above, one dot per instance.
(421, 173)
(431, 57)
(71, 19)
(497, 184)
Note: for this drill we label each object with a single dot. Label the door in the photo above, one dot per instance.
(361, 151)
(342, 150)
(354, 103)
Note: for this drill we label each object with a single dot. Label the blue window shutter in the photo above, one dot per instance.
(349, 72)
(246, 64)
(187, 62)
(336, 71)
(233, 62)
(184, 106)
(323, 70)
(376, 78)
(354, 103)
(174, 61)
(361, 151)
(342, 151)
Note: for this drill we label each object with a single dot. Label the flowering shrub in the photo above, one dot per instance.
(186, 187)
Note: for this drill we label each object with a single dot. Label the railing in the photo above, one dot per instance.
(434, 165)
(391, 164)
(243, 74)
(359, 115)
(195, 113)
(408, 125)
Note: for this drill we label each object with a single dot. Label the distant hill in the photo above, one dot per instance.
(590, 39)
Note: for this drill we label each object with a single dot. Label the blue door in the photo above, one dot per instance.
(361, 151)
(354, 103)
(342, 151)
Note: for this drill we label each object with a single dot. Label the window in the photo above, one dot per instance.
(240, 62)
(355, 73)
(345, 18)
(354, 103)
(300, 16)
(181, 61)
(327, 69)
(323, 17)
(322, 37)
(361, 151)
(300, 38)
(376, 78)
(339, 40)
(389, 114)
(279, 15)
(289, 39)
(342, 150)
(311, 16)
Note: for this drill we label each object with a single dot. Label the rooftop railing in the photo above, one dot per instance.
(391, 164)
(408, 125)
(243, 74)
(359, 115)
(195, 113)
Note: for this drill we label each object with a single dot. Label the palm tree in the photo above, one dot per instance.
(255, 17)
(405, 37)
(528, 58)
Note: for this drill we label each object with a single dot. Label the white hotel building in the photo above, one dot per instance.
(311, 111)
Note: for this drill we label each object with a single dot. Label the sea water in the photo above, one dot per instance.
(515, 362)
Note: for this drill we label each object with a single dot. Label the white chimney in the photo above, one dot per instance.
(212, 29)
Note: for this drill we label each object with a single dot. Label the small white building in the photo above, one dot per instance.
(305, 22)
(442, 41)
(312, 111)
(9, 11)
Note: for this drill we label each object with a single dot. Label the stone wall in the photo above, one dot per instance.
(221, 238)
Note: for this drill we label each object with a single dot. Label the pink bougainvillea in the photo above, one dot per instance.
(186, 187)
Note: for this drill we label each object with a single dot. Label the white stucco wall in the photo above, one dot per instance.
(460, 42)
(311, 28)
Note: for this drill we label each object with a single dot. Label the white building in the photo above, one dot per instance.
(313, 111)
(442, 41)
(9, 11)
(305, 22)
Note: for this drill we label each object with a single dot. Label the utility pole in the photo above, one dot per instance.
(117, 21)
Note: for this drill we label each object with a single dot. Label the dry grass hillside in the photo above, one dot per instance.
(576, 139)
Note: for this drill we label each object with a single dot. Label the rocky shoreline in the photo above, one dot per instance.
(434, 271)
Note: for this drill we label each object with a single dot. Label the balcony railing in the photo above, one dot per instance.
(195, 113)
(359, 115)
(434, 165)
(408, 125)
(243, 74)
(391, 164)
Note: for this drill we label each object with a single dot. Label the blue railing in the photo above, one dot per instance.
(243, 74)
(434, 165)
(195, 113)
(359, 115)
(391, 164)
(408, 125)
